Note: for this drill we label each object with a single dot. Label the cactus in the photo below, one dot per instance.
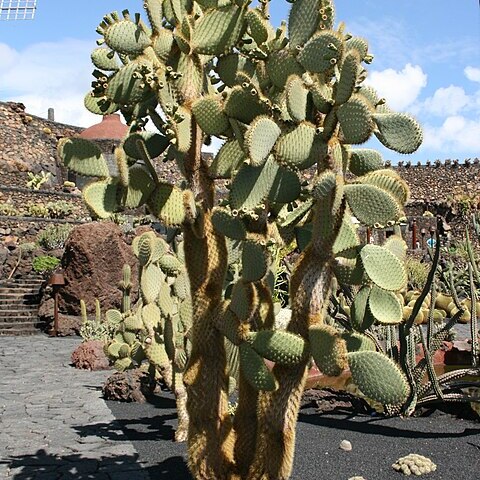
(155, 330)
(414, 464)
(281, 101)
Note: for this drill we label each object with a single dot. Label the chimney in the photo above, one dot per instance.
(51, 114)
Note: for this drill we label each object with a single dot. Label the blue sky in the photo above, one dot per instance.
(427, 62)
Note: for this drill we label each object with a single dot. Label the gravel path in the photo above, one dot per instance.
(52, 417)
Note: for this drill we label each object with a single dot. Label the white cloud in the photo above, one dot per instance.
(49, 74)
(457, 136)
(472, 73)
(447, 101)
(400, 88)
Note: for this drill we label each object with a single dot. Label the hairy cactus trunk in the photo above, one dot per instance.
(210, 436)
(310, 290)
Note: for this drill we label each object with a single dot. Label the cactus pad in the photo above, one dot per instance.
(297, 96)
(321, 52)
(260, 139)
(252, 185)
(385, 306)
(166, 203)
(113, 316)
(255, 371)
(228, 159)
(347, 238)
(209, 114)
(398, 131)
(154, 143)
(99, 105)
(378, 377)
(170, 264)
(361, 320)
(126, 37)
(83, 157)
(151, 315)
(397, 246)
(140, 187)
(244, 105)
(281, 347)
(150, 282)
(390, 181)
(228, 67)
(364, 160)
(244, 300)
(296, 148)
(101, 198)
(355, 118)
(357, 342)
(328, 349)
(348, 77)
(218, 30)
(228, 225)
(104, 59)
(280, 66)
(383, 267)
(371, 204)
(254, 261)
(156, 354)
(286, 186)
(127, 87)
(303, 21)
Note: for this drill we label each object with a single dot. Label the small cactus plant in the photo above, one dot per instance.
(281, 101)
(155, 330)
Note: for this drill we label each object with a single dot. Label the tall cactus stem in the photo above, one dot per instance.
(474, 320)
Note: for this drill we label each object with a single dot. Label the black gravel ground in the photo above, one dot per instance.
(452, 443)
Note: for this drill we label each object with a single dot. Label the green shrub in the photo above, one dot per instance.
(45, 263)
(27, 247)
(37, 210)
(60, 209)
(8, 209)
(54, 236)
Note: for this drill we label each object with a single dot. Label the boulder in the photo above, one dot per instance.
(129, 386)
(92, 266)
(89, 355)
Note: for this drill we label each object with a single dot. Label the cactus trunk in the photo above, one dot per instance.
(210, 436)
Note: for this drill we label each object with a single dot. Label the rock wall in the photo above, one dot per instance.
(28, 143)
(438, 182)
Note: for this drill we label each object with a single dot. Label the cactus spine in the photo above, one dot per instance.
(282, 101)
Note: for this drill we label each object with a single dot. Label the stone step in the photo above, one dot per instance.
(21, 328)
(16, 305)
(13, 314)
(21, 285)
(4, 302)
(18, 290)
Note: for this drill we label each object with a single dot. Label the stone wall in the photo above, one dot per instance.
(438, 182)
(28, 143)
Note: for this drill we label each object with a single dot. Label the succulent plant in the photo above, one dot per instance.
(414, 464)
(154, 331)
(281, 101)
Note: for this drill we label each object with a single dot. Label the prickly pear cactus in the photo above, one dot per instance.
(154, 332)
(280, 101)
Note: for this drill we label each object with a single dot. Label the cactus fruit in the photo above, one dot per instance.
(281, 101)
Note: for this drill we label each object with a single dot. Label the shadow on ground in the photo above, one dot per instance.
(44, 466)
